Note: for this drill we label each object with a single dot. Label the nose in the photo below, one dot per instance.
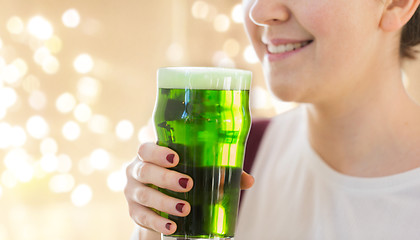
(269, 12)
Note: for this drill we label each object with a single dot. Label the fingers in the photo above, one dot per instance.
(149, 173)
(162, 156)
(152, 198)
(147, 218)
(246, 181)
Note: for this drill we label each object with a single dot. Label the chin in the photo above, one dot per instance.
(285, 93)
(285, 89)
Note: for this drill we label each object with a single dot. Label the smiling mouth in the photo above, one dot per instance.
(282, 48)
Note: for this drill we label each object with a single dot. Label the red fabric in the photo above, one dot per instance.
(254, 139)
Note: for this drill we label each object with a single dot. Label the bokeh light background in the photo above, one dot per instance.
(77, 87)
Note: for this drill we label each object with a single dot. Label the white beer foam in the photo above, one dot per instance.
(204, 78)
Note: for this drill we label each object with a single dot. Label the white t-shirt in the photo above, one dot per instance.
(298, 196)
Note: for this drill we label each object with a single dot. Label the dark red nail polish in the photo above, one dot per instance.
(170, 158)
(179, 207)
(183, 182)
(168, 226)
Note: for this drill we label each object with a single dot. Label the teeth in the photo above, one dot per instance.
(286, 47)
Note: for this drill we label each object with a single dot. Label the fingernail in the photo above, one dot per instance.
(170, 158)
(179, 207)
(168, 226)
(183, 182)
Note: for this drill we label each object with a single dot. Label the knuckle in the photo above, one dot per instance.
(130, 166)
(143, 219)
(142, 171)
(142, 196)
(166, 176)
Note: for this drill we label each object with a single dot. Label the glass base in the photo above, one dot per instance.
(188, 238)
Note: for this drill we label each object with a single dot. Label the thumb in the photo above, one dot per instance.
(246, 181)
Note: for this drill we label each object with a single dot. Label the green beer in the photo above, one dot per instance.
(203, 114)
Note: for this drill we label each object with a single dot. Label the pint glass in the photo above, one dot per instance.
(203, 114)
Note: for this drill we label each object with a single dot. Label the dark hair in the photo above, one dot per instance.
(410, 36)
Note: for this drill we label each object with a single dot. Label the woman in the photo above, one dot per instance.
(346, 163)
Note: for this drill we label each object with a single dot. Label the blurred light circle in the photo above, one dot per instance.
(65, 102)
(5, 132)
(39, 173)
(81, 195)
(146, 134)
(48, 146)
(200, 9)
(10, 74)
(237, 13)
(50, 65)
(71, 18)
(8, 97)
(260, 98)
(99, 124)
(83, 63)
(54, 44)
(249, 55)
(71, 130)
(88, 88)
(221, 23)
(64, 163)
(226, 63)
(61, 183)
(218, 56)
(15, 25)
(3, 112)
(15, 158)
(17, 137)
(37, 100)
(8, 179)
(175, 52)
(99, 159)
(25, 173)
(41, 54)
(116, 181)
(231, 47)
(82, 112)
(124, 130)
(21, 66)
(49, 163)
(37, 127)
(40, 28)
(221, 59)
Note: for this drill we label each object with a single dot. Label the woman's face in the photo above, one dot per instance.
(313, 49)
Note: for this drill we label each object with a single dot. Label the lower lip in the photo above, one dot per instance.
(272, 57)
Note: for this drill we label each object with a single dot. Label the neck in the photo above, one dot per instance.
(375, 132)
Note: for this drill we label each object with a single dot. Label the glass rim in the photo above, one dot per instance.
(215, 78)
